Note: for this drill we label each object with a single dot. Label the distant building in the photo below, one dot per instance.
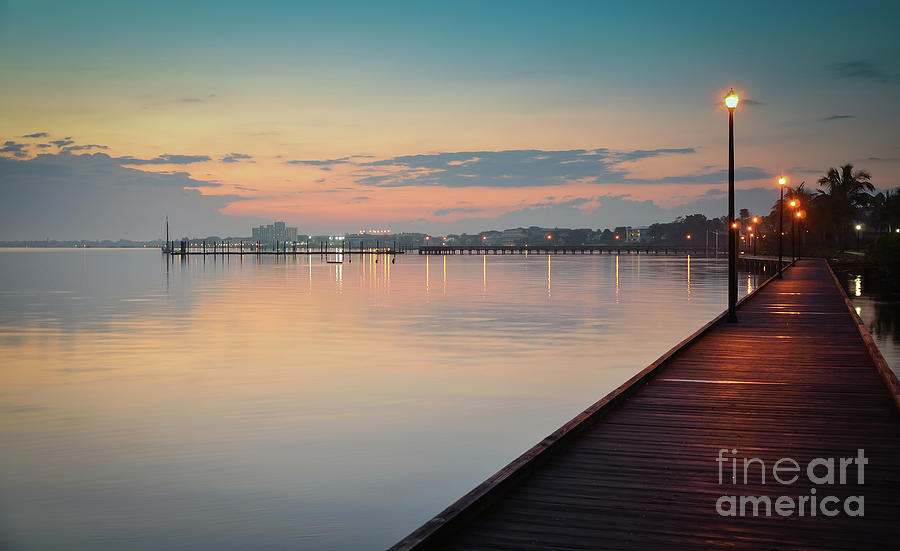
(274, 233)
(631, 234)
(637, 234)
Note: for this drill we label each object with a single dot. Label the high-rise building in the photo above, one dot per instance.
(274, 233)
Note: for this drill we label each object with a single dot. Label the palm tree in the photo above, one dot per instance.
(885, 210)
(845, 191)
(803, 196)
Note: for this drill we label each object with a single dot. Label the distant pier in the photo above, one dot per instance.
(185, 248)
(756, 264)
(563, 249)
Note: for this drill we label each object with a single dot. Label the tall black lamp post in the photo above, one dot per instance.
(731, 102)
(781, 182)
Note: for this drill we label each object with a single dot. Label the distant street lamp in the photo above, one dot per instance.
(731, 102)
(781, 182)
(793, 233)
(799, 232)
(793, 205)
(858, 228)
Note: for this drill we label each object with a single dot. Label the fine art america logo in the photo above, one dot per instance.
(821, 471)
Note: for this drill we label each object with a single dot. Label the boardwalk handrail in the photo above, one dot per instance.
(884, 370)
(486, 493)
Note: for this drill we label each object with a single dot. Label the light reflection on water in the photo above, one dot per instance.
(226, 403)
(878, 305)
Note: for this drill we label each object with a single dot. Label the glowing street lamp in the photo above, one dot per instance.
(731, 102)
(858, 229)
(752, 238)
(781, 182)
(732, 99)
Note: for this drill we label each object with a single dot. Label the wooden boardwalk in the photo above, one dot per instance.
(795, 377)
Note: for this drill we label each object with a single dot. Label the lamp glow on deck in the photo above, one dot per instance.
(732, 99)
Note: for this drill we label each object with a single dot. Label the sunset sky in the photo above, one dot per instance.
(425, 116)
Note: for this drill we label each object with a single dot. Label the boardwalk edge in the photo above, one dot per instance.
(482, 496)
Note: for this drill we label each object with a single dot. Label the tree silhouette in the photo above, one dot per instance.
(844, 192)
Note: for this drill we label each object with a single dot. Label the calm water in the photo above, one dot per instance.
(878, 305)
(295, 404)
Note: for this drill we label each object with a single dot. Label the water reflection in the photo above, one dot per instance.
(275, 401)
(548, 275)
(689, 275)
(484, 274)
(617, 279)
(877, 302)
